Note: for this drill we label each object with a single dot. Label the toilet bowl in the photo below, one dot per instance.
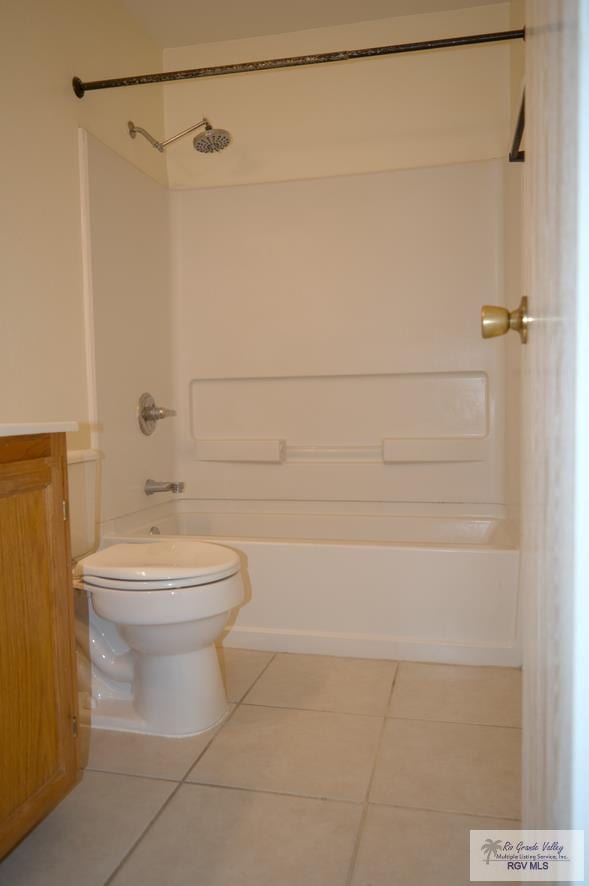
(155, 612)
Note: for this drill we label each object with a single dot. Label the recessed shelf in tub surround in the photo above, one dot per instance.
(19, 429)
(386, 418)
(391, 451)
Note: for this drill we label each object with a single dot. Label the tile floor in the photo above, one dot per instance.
(327, 772)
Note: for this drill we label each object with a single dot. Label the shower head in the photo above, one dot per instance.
(211, 140)
(208, 142)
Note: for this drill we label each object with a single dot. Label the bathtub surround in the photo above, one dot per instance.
(126, 218)
(345, 326)
(339, 420)
(333, 396)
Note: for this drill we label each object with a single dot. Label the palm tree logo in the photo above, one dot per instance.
(490, 847)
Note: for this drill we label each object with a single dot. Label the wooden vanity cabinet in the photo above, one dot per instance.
(38, 696)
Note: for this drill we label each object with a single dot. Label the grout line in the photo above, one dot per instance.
(164, 805)
(168, 778)
(454, 722)
(362, 822)
(217, 730)
(260, 675)
(445, 811)
(280, 707)
(179, 784)
(268, 792)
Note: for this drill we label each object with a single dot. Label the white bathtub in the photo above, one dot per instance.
(424, 588)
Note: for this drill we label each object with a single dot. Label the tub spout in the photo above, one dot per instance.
(153, 486)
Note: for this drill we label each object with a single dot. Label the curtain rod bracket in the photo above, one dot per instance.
(516, 155)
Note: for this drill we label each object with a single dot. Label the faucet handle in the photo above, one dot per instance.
(161, 412)
(148, 413)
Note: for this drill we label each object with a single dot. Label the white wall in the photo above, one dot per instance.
(42, 46)
(368, 275)
(128, 217)
(397, 112)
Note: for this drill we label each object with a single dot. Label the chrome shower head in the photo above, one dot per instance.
(211, 140)
(208, 142)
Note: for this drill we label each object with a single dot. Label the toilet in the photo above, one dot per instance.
(169, 601)
(148, 615)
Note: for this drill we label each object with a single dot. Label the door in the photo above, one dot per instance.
(555, 524)
(38, 761)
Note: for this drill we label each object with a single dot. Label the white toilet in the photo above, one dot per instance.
(146, 654)
(170, 601)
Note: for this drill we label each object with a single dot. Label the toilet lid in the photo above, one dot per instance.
(173, 563)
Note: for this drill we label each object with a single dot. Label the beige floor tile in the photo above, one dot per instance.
(150, 755)
(324, 683)
(408, 847)
(490, 696)
(218, 837)
(450, 767)
(241, 668)
(88, 834)
(299, 752)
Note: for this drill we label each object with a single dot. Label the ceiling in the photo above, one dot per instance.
(184, 22)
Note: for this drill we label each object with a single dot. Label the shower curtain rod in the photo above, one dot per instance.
(80, 87)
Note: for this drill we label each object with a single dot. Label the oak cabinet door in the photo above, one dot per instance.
(38, 698)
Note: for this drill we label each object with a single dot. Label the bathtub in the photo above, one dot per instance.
(440, 588)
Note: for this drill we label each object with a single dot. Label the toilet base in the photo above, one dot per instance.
(181, 694)
(119, 715)
(172, 695)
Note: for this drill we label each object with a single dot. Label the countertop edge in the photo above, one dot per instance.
(17, 429)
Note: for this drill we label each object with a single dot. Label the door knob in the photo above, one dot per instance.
(498, 321)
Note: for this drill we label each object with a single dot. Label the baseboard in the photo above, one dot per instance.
(371, 646)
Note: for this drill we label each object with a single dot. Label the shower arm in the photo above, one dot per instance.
(160, 146)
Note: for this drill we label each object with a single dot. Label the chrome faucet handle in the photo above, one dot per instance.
(159, 412)
(148, 413)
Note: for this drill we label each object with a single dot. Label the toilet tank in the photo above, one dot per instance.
(83, 500)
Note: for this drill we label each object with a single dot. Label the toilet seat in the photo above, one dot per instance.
(161, 582)
(91, 582)
(158, 565)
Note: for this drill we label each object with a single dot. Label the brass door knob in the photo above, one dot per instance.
(498, 321)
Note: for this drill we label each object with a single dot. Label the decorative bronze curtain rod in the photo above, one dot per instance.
(80, 87)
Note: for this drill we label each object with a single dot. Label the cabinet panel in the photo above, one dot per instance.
(37, 688)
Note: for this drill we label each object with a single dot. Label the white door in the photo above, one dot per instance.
(555, 509)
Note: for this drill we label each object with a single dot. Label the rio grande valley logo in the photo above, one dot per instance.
(526, 855)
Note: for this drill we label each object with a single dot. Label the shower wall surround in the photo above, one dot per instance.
(127, 221)
(319, 339)
(341, 423)
(327, 341)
